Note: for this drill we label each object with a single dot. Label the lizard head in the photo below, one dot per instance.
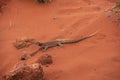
(38, 43)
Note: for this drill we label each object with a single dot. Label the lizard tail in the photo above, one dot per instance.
(79, 39)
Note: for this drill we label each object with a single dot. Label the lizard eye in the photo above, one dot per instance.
(43, 47)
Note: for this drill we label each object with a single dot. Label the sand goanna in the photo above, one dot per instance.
(44, 46)
(59, 42)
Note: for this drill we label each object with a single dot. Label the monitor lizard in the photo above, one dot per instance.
(59, 42)
(44, 46)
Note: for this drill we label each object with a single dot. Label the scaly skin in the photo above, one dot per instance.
(46, 45)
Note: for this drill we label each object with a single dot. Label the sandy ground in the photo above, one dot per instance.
(97, 58)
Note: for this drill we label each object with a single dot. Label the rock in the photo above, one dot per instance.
(23, 42)
(26, 72)
(45, 59)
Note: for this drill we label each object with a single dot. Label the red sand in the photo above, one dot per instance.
(97, 58)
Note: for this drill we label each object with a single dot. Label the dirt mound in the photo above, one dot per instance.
(26, 72)
(45, 59)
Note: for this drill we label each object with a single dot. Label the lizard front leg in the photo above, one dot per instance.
(44, 48)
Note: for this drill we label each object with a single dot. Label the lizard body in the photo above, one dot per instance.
(46, 45)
